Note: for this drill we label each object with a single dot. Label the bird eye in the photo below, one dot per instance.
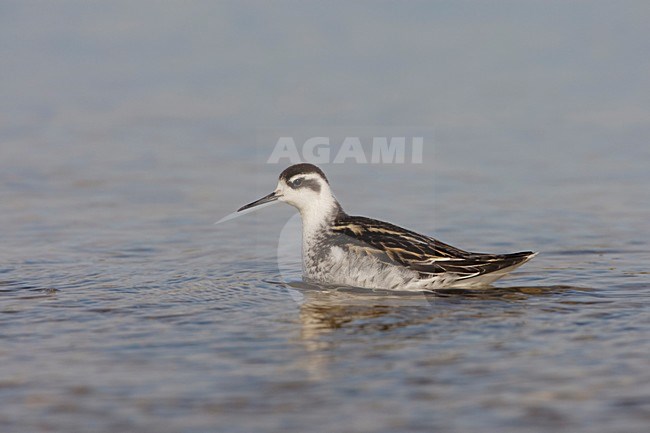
(297, 182)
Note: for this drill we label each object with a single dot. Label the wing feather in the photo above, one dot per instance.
(423, 254)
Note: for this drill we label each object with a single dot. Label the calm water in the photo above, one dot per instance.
(124, 308)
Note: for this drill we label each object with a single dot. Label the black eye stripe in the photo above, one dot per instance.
(301, 182)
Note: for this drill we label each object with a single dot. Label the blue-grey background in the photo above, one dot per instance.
(128, 128)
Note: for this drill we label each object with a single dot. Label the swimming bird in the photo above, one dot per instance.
(340, 249)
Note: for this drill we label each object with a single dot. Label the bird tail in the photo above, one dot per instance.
(483, 269)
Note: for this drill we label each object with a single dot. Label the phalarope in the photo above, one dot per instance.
(363, 252)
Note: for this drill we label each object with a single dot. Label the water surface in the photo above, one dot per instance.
(126, 133)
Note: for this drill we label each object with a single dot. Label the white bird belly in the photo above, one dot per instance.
(337, 265)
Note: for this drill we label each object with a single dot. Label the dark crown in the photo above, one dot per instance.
(303, 168)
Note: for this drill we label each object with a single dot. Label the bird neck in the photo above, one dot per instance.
(319, 214)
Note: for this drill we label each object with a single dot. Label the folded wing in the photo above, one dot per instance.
(426, 255)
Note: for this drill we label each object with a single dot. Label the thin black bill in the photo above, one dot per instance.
(266, 199)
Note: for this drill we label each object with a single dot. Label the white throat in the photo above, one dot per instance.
(317, 214)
